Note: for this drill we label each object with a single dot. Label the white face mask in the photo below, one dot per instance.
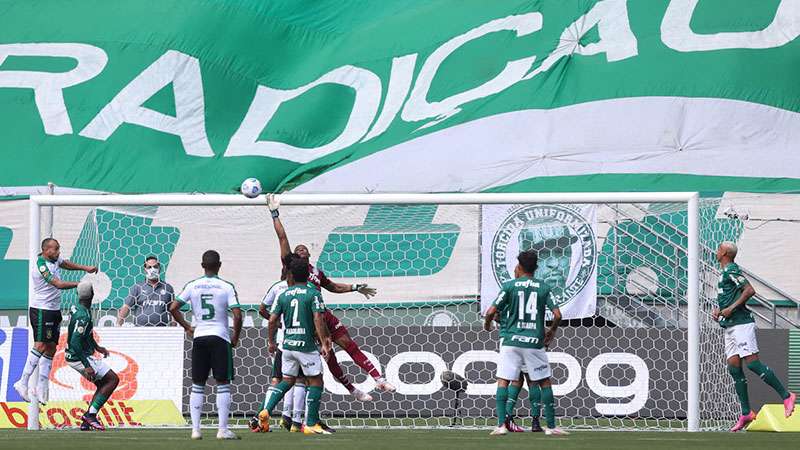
(152, 273)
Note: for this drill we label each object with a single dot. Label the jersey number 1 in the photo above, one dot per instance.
(530, 306)
(208, 307)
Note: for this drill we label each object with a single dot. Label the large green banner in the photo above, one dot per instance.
(400, 95)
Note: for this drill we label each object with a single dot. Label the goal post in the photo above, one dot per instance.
(626, 219)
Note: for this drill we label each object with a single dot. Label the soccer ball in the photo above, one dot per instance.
(251, 188)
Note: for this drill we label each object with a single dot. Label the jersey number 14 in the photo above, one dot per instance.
(528, 307)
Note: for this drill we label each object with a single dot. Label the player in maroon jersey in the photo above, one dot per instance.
(338, 331)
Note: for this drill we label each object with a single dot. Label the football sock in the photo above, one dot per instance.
(312, 402)
(223, 404)
(361, 359)
(288, 400)
(299, 398)
(97, 403)
(740, 384)
(549, 408)
(535, 396)
(769, 377)
(501, 397)
(30, 365)
(513, 394)
(338, 373)
(275, 394)
(196, 404)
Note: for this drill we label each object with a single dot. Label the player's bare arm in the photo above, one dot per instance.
(61, 284)
(237, 326)
(283, 239)
(69, 265)
(272, 330)
(342, 288)
(551, 330)
(747, 292)
(177, 315)
(489, 318)
(323, 335)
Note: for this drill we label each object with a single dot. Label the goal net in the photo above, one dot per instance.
(631, 355)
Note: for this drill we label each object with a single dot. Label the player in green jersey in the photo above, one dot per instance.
(733, 291)
(301, 309)
(521, 307)
(81, 347)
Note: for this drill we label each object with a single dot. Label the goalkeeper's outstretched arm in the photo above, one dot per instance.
(283, 239)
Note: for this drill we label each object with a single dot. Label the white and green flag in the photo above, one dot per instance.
(402, 95)
(564, 238)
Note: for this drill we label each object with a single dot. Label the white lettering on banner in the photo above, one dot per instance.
(617, 40)
(400, 79)
(472, 356)
(183, 71)
(418, 108)
(610, 17)
(572, 368)
(639, 387)
(432, 359)
(267, 101)
(48, 87)
(677, 34)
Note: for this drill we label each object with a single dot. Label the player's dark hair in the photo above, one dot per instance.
(299, 269)
(47, 241)
(528, 260)
(151, 258)
(287, 261)
(211, 260)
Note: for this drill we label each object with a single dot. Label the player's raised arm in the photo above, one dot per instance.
(69, 265)
(273, 203)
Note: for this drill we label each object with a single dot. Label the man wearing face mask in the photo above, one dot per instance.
(149, 299)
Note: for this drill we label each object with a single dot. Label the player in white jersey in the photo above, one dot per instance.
(45, 315)
(210, 298)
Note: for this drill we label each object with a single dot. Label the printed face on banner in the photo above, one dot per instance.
(562, 237)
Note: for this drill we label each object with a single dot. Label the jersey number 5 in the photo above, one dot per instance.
(208, 307)
(530, 306)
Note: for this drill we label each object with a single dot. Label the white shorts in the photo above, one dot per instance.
(291, 362)
(741, 340)
(100, 368)
(514, 360)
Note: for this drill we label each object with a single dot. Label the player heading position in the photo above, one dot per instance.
(81, 347)
(210, 298)
(338, 331)
(521, 307)
(301, 309)
(45, 315)
(733, 291)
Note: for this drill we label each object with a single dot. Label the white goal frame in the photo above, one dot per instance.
(691, 199)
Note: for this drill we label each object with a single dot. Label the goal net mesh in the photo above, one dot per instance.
(621, 363)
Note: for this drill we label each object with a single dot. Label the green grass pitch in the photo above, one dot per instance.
(396, 439)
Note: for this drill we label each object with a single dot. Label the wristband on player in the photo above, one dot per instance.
(357, 287)
(274, 213)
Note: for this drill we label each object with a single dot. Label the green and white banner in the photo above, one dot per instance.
(451, 95)
(565, 240)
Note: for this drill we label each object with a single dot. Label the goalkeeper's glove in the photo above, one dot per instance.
(364, 290)
(273, 203)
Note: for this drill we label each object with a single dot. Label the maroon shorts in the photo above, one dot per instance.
(335, 328)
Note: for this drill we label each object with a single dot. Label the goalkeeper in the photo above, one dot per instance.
(79, 355)
(338, 331)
